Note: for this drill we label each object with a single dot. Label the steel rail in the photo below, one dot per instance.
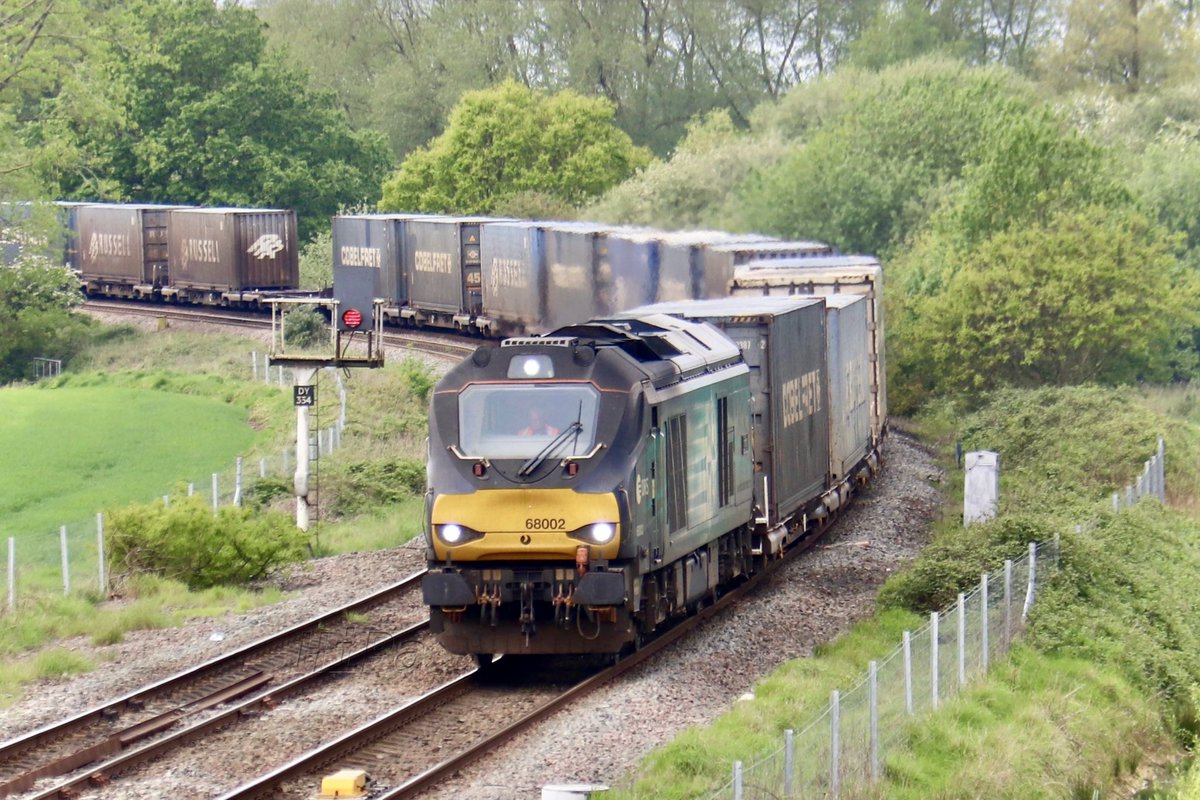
(21, 748)
(392, 723)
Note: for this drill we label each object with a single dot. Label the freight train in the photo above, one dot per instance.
(588, 485)
(235, 257)
(499, 277)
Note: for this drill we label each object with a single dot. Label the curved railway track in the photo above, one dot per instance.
(441, 345)
(121, 733)
(404, 751)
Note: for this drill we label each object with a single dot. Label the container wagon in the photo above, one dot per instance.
(231, 256)
(858, 275)
(123, 249)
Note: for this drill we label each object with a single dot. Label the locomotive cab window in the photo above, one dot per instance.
(519, 420)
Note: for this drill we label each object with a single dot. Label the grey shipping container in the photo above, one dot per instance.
(442, 265)
(123, 244)
(371, 244)
(849, 363)
(633, 257)
(783, 342)
(233, 249)
(513, 273)
(720, 260)
(859, 275)
(681, 261)
(578, 272)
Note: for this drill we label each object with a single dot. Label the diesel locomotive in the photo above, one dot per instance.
(589, 484)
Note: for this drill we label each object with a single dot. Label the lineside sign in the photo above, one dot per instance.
(304, 395)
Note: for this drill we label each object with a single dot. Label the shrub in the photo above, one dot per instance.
(186, 541)
(305, 327)
(365, 485)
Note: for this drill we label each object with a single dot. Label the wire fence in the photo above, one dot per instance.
(841, 751)
(69, 557)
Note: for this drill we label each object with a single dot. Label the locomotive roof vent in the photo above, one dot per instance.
(547, 341)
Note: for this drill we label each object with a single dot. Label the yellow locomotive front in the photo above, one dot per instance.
(531, 446)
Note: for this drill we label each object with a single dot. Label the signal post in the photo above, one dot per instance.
(356, 339)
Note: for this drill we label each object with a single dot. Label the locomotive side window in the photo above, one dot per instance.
(519, 420)
(677, 472)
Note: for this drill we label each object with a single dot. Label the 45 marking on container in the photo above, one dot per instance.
(266, 246)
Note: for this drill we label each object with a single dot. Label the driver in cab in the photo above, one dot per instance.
(538, 426)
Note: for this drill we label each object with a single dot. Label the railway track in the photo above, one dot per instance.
(120, 734)
(441, 345)
(404, 751)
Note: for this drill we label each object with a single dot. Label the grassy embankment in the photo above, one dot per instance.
(141, 416)
(1104, 684)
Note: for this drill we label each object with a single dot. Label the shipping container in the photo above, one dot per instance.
(720, 260)
(219, 250)
(783, 341)
(681, 262)
(442, 265)
(371, 245)
(124, 246)
(578, 272)
(857, 275)
(849, 363)
(513, 273)
(633, 257)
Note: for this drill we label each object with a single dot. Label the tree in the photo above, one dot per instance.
(1089, 295)
(1123, 44)
(873, 166)
(211, 118)
(36, 299)
(509, 140)
(694, 189)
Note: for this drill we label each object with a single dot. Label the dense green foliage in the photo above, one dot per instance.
(35, 317)
(204, 114)
(511, 140)
(186, 541)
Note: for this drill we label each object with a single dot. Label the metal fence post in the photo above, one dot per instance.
(237, 483)
(254, 365)
(12, 573)
(1116, 502)
(873, 691)
(100, 552)
(983, 620)
(789, 762)
(737, 780)
(962, 640)
(216, 492)
(191, 489)
(933, 658)
(835, 743)
(1162, 470)
(1030, 586)
(908, 680)
(66, 560)
(262, 468)
(1008, 565)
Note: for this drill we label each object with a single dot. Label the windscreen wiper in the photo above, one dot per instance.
(532, 464)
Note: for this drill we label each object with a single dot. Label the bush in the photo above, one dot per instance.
(186, 541)
(305, 327)
(366, 485)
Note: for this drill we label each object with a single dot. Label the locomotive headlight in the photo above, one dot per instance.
(535, 366)
(603, 532)
(453, 534)
(596, 533)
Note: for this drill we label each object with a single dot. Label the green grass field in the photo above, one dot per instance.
(71, 452)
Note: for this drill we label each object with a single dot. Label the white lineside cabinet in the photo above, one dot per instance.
(982, 489)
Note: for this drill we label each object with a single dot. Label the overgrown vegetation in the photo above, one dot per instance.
(1105, 679)
(186, 541)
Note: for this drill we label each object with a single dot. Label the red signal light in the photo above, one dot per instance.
(352, 318)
